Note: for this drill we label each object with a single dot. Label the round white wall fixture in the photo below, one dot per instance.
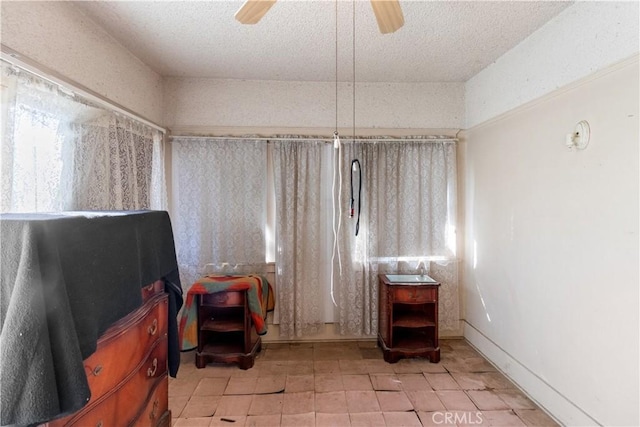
(579, 139)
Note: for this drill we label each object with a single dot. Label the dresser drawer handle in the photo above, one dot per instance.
(153, 328)
(96, 371)
(150, 287)
(99, 423)
(152, 414)
(152, 371)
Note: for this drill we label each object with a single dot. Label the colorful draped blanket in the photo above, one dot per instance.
(259, 295)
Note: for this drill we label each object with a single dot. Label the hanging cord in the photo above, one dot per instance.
(355, 164)
(353, 134)
(336, 145)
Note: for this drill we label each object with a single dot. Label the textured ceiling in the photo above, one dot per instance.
(441, 41)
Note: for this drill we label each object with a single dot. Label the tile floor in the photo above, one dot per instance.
(349, 384)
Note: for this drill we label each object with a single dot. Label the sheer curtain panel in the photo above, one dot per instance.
(61, 153)
(114, 165)
(408, 216)
(303, 218)
(218, 202)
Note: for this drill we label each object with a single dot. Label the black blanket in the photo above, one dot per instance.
(65, 278)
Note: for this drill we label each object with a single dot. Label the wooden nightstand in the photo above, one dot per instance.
(225, 330)
(408, 317)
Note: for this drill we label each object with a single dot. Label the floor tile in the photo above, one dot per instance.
(218, 370)
(357, 382)
(389, 382)
(270, 384)
(333, 402)
(442, 382)
(332, 420)
(469, 380)
(275, 354)
(298, 403)
(193, 422)
(200, 406)
(211, 387)
(393, 401)
(535, 417)
(425, 400)
(487, 400)
(237, 405)
(328, 382)
(298, 420)
(241, 386)
(417, 366)
(300, 367)
(326, 367)
(398, 419)
(297, 383)
(182, 387)
(413, 382)
(503, 418)
(367, 419)
(515, 399)
(266, 404)
(349, 383)
(456, 400)
(229, 420)
(362, 401)
(495, 380)
(263, 420)
(273, 367)
(352, 367)
(371, 353)
(301, 354)
(378, 366)
(177, 404)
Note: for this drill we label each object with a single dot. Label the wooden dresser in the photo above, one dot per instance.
(127, 374)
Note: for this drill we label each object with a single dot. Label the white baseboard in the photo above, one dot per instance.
(558, 406)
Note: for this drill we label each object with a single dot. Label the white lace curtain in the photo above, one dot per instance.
(408, 216)
(302, 178)
(60, 153)
(219, 203)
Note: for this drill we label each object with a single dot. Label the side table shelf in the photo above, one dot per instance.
(408, 317)
(225, 330)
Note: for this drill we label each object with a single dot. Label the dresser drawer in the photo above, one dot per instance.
(122, 406)
(155, 412)
(224, 299)
(414, 294)
(154, 288)
(124, 345)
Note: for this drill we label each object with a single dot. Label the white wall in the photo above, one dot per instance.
(193, 103)
(582, 39)
(551, 266)
(60, 37)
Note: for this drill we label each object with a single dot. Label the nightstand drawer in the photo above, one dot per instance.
(414, 294)
(224, 299)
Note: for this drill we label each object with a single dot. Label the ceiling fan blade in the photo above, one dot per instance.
(388, 14)
(253, 10)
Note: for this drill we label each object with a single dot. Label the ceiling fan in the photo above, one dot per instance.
(388, 13)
